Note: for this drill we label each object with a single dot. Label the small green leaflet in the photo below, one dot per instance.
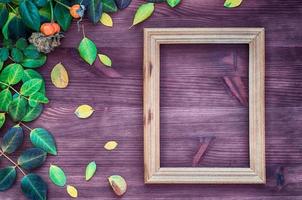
(87, 50)
(34, 62)
(31, 87)
(33, 187)
(57, 175)
(109, 6)
(4, 53)
(12, 139)
(7, 178)
(17, 55)
(105, 60)
(232, 3)
(32, 158)
(173, 3)
(42, 139)
(37, 98)
(12, 74)
(21, 43)
(90, 170)
(2, 119)
(17, 108)
(5, 99)
(33, 113)
(143, 12)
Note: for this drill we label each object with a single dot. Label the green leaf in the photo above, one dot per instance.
(95, 9)
(21, 43)
(4, 53)
(105, 60)
(30, 74)
(12, 139)
(32, 158)
(121, 4)
(90, 170)
(1, 64)
(87, 50)
(2, 119)
(6, 98)
(12, 74)
(17, 29)
(41, 138)
(8, 176)
(143, 12)
(17, 55)
(173, 3)
(33, 187)
(62, 15)
(30, 14)
(37, 98)
(33, 113)
(3, 14)
(40, 3)
(57, 175)
(31, 87)
(5, 27)
(31, 52)
(109, 6)
(17, 108)
(45, 14)
(34, 63)
(232, 3)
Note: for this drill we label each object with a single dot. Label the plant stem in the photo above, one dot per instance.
(83, 31)
(13, 89)
(14, 11)
(51, 10)
(27, 127)
(62, 4)
(10, 160)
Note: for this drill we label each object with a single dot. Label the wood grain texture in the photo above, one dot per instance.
(155, 173)
(118, 103)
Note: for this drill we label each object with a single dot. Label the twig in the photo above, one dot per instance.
(10, 87)
(15, 164)
(62, 4)
(21, 123)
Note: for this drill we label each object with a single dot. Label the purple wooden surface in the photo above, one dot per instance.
(118, 104)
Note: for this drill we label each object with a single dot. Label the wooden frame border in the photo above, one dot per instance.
(154, 174)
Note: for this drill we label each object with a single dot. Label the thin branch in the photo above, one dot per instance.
(62, 4)
(27, 127)
(15, 164)
(10, 87)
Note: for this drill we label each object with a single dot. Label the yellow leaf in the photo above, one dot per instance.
(59, 76)
(232, 3)
(106, 20)
(110, 145)
(105, 60)
(84, 111)
(72, 191)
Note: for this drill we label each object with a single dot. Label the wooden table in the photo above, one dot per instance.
(195, 102)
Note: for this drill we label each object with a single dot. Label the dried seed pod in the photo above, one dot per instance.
(118, 184)
(45, 44)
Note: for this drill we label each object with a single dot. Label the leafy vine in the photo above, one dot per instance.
(30, 29)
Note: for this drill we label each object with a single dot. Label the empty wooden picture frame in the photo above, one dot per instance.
(154, 173)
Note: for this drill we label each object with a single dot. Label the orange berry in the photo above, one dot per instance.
(73, 11)
(47, 29)
(56, 27)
